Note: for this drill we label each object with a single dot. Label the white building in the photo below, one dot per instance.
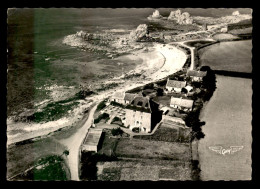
(182, 104)
(174, 86)
(196, 75)
(91, 142)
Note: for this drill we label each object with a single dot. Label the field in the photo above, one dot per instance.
(137, 148)
(33, 150)
(29, 153)
(224, 37)
(135, 159)
(164, 133)
(143, 169)
(48, 168)
(229, 56)
(232, 103)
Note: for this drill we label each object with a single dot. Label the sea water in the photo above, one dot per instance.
(42, 69)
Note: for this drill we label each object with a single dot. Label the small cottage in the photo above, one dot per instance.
(129, 98)
(123, 98)
(174, 86)
(196, 75)
(181, 104)
(118, 97)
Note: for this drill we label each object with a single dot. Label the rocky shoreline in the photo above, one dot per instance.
(135, 46)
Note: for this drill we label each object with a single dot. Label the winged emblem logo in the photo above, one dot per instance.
(222, 151)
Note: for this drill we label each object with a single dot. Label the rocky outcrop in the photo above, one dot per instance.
(140, 32)
(180, 18)
(174, 15)
(236, 13)
(155, 15)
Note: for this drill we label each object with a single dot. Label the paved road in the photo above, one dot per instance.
(73, 144)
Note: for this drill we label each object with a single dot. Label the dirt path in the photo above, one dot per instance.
(73, 144)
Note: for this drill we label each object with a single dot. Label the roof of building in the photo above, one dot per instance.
(119, 95)
(175, 83)
(93, 137)
(130, 97)
(141, 101)
(195, 73)
(182, 102)
(141, 104)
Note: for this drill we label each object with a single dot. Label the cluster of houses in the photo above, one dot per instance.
(174, 86)
(140, 110)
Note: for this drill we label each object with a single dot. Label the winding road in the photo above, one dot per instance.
(73, 144)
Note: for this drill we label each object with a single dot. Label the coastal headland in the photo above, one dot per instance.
(155, 57)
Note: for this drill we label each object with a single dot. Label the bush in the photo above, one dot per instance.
(101, 116)
(183, 90)
(66, 153)
(149, 86)
(196, 84)
(159, 92)
(136, 129)
(117, 131)
(101, 105)
(116, 104)
(52, 170)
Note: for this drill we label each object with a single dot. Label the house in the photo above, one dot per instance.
(182, 104)
(118, 97)
(174, 86)
(140, 113)
(196, 75)
(92, 140)
(129, 98)
(123, 98)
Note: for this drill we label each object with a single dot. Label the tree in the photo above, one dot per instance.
(196, 84)
(117, 131)
(159, 92)
(66, 152)
(184, 90)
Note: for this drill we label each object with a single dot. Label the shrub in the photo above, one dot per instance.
(159, 92)
(196, 84)
(136, 129)
(183, 90)
(101, 116)
(116, 104)
(149, 86)
(101, 105)
(66, 152)
(117, 131)
(116, 119)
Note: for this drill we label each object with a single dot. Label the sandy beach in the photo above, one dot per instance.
(158, 62)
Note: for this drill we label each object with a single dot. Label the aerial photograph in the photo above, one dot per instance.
(129, 94)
